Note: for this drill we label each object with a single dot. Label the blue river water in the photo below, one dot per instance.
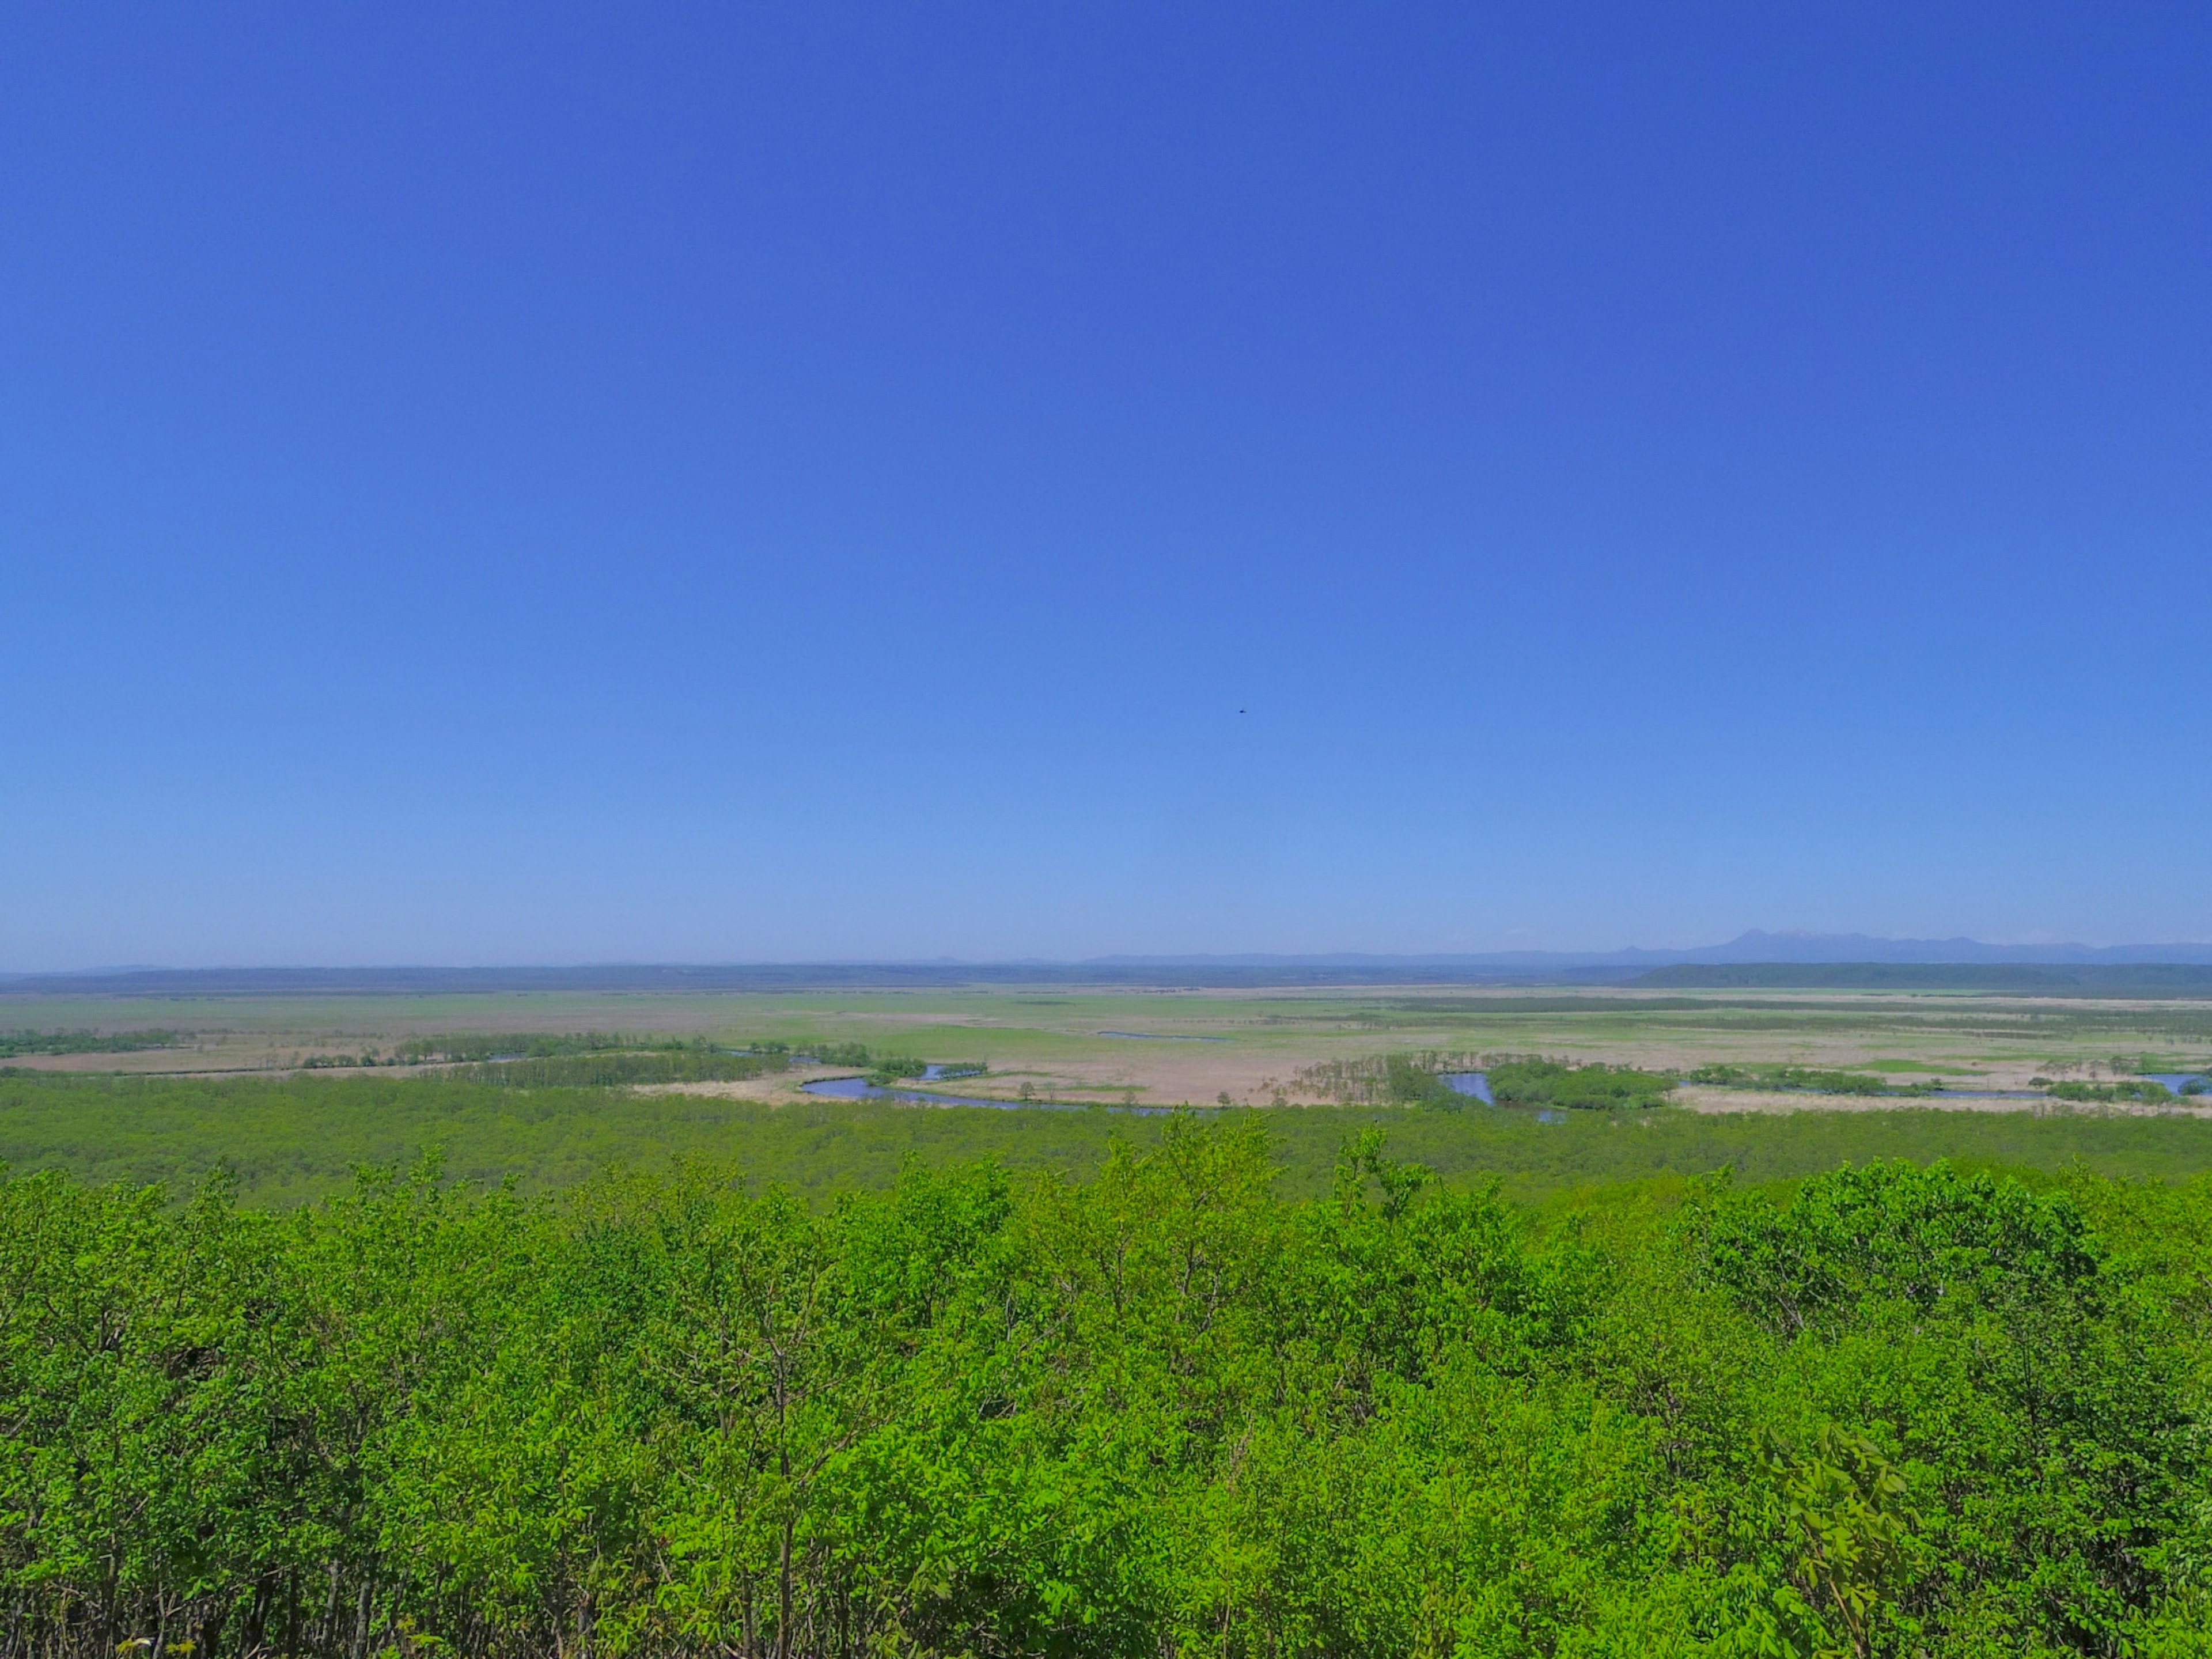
(859, 1088)
(2177, 1081)
(1475, 1085)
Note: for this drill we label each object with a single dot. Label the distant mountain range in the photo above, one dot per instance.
(1756, 945)
(1762, 959)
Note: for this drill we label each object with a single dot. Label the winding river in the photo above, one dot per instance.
(1473, 1084)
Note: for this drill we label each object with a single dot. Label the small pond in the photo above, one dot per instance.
(1162, 1036)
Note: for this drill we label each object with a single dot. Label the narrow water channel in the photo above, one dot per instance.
(1473, 1084)
(859, 1088)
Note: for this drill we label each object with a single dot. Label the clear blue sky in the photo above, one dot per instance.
(553, 484)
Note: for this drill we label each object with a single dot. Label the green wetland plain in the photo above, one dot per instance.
(1748, 1321)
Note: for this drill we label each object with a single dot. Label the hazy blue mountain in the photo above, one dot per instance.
(1756, 945)
(1248, 969)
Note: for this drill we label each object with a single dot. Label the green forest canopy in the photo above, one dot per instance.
(1895, 1410)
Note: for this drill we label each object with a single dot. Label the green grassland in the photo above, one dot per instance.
(293, 1140)
(292, 1135)
(1273, 1034)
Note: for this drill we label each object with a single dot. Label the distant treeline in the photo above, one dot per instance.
(13, 1043)
(543, 1059)
(1168, 1411)
(593, 1059)
(1806, 1077)
(461, 1046)
(2149, 979)
(540, 1059)
(621, 1068)
(1417, 1079)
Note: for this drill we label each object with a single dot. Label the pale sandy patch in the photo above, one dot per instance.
(778, 1088)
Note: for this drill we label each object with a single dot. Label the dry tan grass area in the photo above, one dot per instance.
(782, 1087)
(1249, 1045)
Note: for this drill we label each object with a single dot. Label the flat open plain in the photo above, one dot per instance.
(1164, 1047)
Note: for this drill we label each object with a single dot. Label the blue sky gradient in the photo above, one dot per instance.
(554, 484)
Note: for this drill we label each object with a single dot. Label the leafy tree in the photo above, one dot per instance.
(1891, 1410)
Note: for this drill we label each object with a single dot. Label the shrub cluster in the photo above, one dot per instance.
(1809, 1078)
(2147, 1090)
(1585, 1088)
(618, 1068)
(1163, 1412)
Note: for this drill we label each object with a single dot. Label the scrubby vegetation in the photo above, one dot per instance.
(896, 1069)
(289, 1140)
(839, 1054)
(1580, 1088)
(1168, 1410)
(1417, 1079)
(615, 1069)
(1407, 1083)
(468, 1046)
(685, 1059)
(14, 1043)
(1808, 1078)
(1405, 1079)
(2148, 1090)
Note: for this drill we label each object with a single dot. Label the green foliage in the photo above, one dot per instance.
(2132, 1088)
(1169, 1410)
(454, 1047)
(839, 1054)
(13, 1044)
(1546, 1083)
(1847, 1533)
(2035, 1391)
(298, 1139)
(899, 1068)
(1806, 1079)
(1405, 1079)
(1406, 1083)
(619, 1069)
(482, 1056)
